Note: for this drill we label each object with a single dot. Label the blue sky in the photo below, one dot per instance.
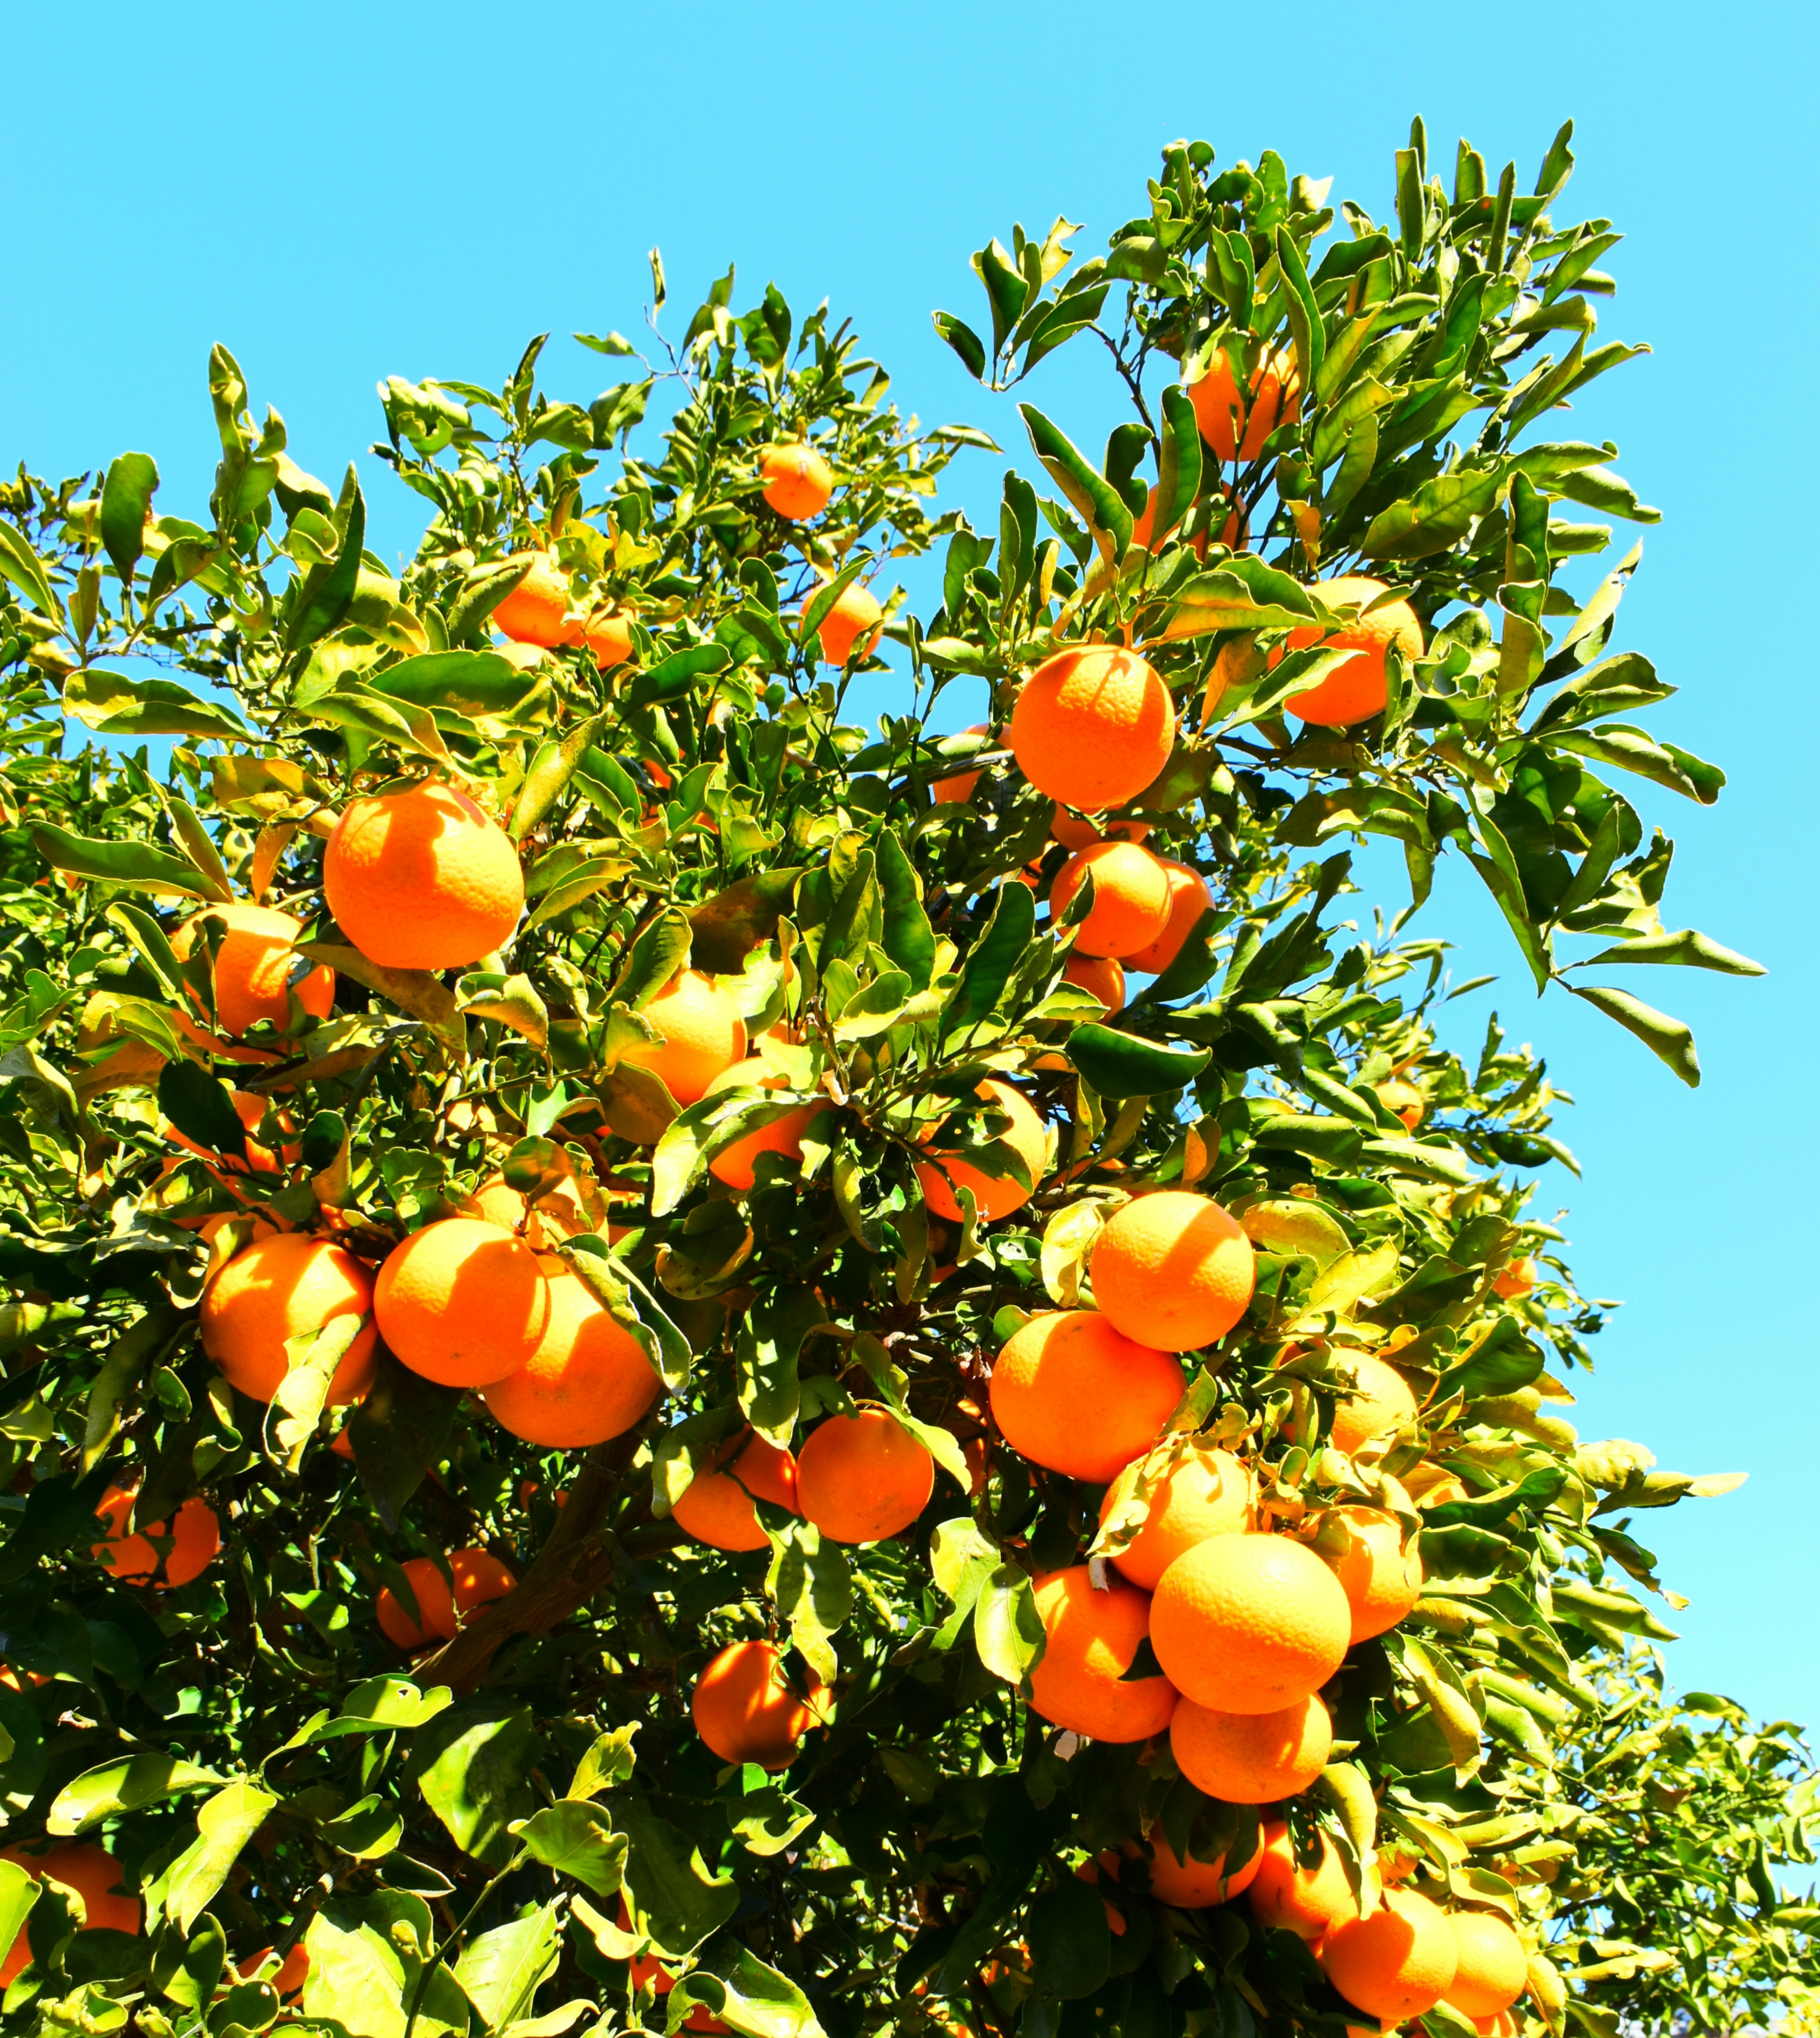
(341, 193)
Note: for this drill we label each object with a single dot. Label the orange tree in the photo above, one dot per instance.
(672, 1362)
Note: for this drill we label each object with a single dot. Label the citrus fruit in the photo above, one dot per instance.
(1402, 1100)
(1070, 1391)
(609, 636)
(1093, 726)
(1252, 1758)
(852, 628)
(254, 966)
(1130, 908)
(260, 1160)
(746, 1711)
(557, 1213)
(194, 1532)
(1380, 1401)
(1234, 423)
(717, 1506)
(535, 612)
(585, 1379)
(463, 1302)
(1092, 1639)
(1515, 1279)
(435, 1619)
(423, 879)
(1357, 690)
(1303, 1900)
(1173, 1269)
(287, 1286)
(797, 480)
(1249, 1624)
(703, 1035)
(1381, 1580)
(1398, 1962)
(862, 1477)
(1193, 1885)
(957, 786)
(646, 1970)
(478, 1577)
(944, 1175)
(287, 1978)
(737, 1165)
(1207, 1493)
(93, 1873)
(1493, 1969)
(1073, 832)
(1143, 525)
(1189, 899)
(1103, 975)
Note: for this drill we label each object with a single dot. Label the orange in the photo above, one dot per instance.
(1223, 413)
(1104, 975)
(558, 1214)
(943, 1176)
(1173, 1269)
(1093, 1639)
(1189, 899)
(209, 1229)
(1397, 1963)
(737, 1165)
(861, 1478)
(279, 1288)
(1502, 2026)
(463, 1302)
(1093, 726)
(535, 611)
(1252, 1758)
(703, 1033)
(1356, 690)
(958, 785)
(253, 966)
(1402, 1100)
(609, 636)
(1208, 1493)
(585, 1380)
(1381, 1401)
(289, 1975)
(1516, 1280)
(1073, 832)
(1249, 1624)
(1072, 1392)
(717, 1507)
(852, 628)
(251, 1110)
(1192, 1885)
(1303, 1900)
(93, 1873)
(423, 879)
(1130, 908)
(436, 1616)
(1432, 1486)
(478, 1578)
(798, 481)
(1493, 1969)
(645, 1968)
(745, 1711)
(1381, 1579)
(1143, 524)
(196, 1536)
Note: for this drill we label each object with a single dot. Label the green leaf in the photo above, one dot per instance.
(18, 1892)
(753, 1999)
(117, 706)
(809, 1584)
(123, 1787)
(1007, 1628)
(725, 928)
(201, 1108)
(1439, 514)
(224, 1826)
(473, 1765)
(993, 958)
(126, 503)
(327, 591)
(23, 567)
(1689, 947)
(295, 1407)
(398, 1432)
(509, 1001)
(576, 1839)
(471, 682)
(677, 675)
(661, 950)
(670, 1897)
(419, 992)
(1669, 1039)
(909, 938)
(1630, 749)
(609, 1761)
(1304, 314)
(366, 1963)
(501, 1971)
(965, 342)
(1121, 1065)
(1178, 464)
(1092, 495)
(482, 593)
(632, 1307)
(1070, 1941)
(138, 865)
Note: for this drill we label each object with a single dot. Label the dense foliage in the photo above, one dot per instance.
(453, 1839)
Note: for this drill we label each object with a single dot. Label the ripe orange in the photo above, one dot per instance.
(1303, 1900)
(1249, 1624)
(717, 1507)
(279, 1288)
(557, 1214)
(93, 1873)
(423, 879)
(289, 1975)
(852, 628)
(1397, 1963)
(798, 481)
(1431, 1485)
(943, 1175)
(1502, 2026)
(1381, 1401)
(1252, 1758)
(1130, 907)
(253, 966)
(478, 1578)
(436, 1616)
(534, 611)
(1093, 726)
(1356, 690)
(251, 1110)
(703, 1033)
(1194, 1885)
(1381, 1579)
(745, 1711)
(1072, 1392)
(1143, 524)
(1103, 975)
(609, 636)
(957, 787)
(1493, 1969)
(1224, 413)
(463, 1302)
(1189, 899)
(585, 1380)
(646, 1969)
(1092, 1640)
(861, 1478)
(1073, 832)
(1208, 1493)
(1515, 1279)
(737, 1165)
(1173, 1269)
(1402, 1100)
(195, 1537)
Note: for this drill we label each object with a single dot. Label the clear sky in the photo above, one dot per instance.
(342, 191)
